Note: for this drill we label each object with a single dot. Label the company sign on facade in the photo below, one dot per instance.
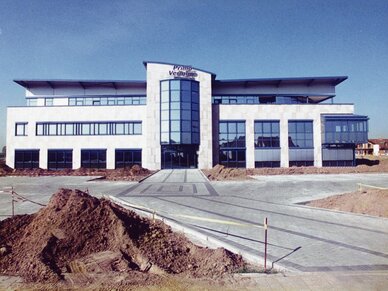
(179, 71)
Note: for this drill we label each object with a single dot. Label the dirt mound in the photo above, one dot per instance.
(372, 201)
(220, 173)
(135, 173)
(76, 235)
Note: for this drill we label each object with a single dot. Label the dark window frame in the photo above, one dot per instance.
(24, 128)
(57, 164)
(128, 158)
(26, 159)
(101, 158)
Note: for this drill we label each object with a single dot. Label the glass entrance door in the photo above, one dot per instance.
(179, 156)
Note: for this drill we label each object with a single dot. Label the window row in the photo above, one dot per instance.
(259, 99)
(179, 85)
(101, 101)
(88, 128)
(94, 101)
(63, 159)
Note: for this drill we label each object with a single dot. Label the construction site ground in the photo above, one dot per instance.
(306, 241)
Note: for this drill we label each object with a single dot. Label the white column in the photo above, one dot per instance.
(284, 156)
(110, 158)
(250, 143)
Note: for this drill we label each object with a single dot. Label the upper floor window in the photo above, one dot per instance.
(32, 102)
(21, 128)
(267, 134)
(300, 134)
(48, 101)
(346, 129)
(259, 99)
(107, 100)
(232, 134)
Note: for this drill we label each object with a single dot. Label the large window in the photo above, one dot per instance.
(89, 128)
(21, 128)
(300, 134)
(59, 159)
(126, 158)
(346, 129)
(300, 142)
(107, 100)
(232, 143)
(179, 112)
(93, 159)
(267, 134)
(267, 143)
(26, 159)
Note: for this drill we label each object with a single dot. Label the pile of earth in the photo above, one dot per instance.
(79, 237)
(134, 173)
(369, 201)
(222, 173)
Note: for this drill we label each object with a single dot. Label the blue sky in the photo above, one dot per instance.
(234, 39)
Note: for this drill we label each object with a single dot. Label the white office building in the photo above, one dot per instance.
(183, 117)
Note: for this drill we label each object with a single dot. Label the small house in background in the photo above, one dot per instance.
(376, 147)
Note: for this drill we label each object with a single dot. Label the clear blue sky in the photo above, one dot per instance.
(234, 39)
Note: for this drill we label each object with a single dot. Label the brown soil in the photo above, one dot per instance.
(135, 173)
(372, 202)
(221, 173)
(78, 239)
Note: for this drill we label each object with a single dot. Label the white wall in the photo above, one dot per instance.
(74, 113)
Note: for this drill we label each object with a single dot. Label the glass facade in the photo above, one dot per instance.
(59, 159)
(346, 129)
(126, 158)
(267, 143)
(95, 159)
(232, 144)
(26, 159)
(179, 112)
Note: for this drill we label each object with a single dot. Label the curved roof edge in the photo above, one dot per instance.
(175, 64)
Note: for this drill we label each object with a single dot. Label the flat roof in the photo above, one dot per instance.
(55, 83)
(308, 81)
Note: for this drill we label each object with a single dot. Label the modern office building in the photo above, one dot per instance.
(183, 117)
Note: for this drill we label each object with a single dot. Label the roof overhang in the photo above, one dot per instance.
(84, 84)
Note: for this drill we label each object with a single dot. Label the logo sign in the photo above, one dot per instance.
(183, 72)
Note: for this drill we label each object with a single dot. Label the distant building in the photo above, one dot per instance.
(183, 117)
(376, 147)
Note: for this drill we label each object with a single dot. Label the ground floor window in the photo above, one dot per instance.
(267, 164)
(233, 158)
(93, 159)
(26, 159)
(179, 156)
(338, 155)
(126, 158)
(301, 163)
(60, 159)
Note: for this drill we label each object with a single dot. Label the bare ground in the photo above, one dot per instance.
(135, 173)
(370, 201)
(366, 165)
(79, 240)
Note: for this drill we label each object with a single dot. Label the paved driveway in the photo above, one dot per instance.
(300, 237)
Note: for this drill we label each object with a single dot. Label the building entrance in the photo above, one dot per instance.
(179, 156)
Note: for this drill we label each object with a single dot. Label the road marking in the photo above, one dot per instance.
(370, 186)
(217, 220)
